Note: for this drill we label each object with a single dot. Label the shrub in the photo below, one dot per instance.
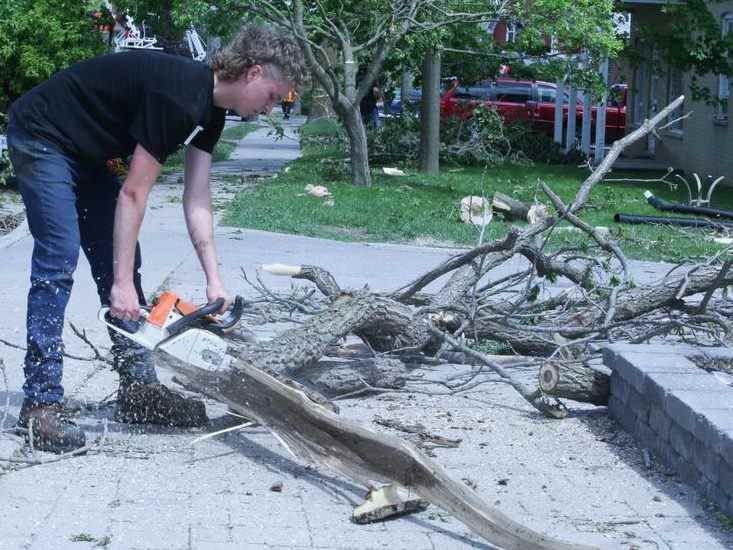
(398, 139)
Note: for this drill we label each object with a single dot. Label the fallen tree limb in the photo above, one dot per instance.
(319, 436)
(546, 405)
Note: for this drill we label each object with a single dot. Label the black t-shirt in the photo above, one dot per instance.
(103, 107)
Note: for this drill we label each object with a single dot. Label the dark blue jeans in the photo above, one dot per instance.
(69, 204)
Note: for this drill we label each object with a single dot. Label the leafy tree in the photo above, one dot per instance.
(340, 36)
(688, 37)
(39, 38)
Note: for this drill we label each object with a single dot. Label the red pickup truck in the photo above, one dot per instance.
(531, 101)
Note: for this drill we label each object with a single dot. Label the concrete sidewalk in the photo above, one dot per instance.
(581, 479)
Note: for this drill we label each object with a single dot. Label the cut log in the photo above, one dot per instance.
(512, 209)
(317, 435)
(575, 381)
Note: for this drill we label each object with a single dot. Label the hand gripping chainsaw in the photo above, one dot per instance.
(182, 330)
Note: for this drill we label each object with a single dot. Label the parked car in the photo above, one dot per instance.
(532, 102)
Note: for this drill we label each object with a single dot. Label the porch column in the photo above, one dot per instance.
(587, 116)
(559, 100)
(572, 111)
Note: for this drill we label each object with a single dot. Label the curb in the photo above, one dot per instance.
(15, 235)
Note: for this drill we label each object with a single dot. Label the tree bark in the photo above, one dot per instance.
(430, 114)
(334, 377)
(405, 87)
(319, 436)
(358, 149)
(510, 208)
(576, 382)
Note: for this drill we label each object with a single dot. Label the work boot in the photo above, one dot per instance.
(53, 430)
(139, 403)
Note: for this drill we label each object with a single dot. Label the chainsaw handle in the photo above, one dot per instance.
(128, 325)
(189, 320)
(232, 316)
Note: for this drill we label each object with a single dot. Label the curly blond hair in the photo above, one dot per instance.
(260, 45)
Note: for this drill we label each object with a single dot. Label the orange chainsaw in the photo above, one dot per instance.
(182, 330)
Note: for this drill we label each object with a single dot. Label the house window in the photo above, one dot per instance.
(675, 88)
(723, 81)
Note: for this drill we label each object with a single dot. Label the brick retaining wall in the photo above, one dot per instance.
(677, 410)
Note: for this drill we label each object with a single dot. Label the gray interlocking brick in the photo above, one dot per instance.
(713, 492)
(645, 434)
(633, 366)
(659, 384)
(624, 415)
(619, 387)
(687, 407)
(725, 477)
(659, 422)
(681, 441)
(726, 446)
(639, 404)
(716, 426)
(707, 461)
(684, 467)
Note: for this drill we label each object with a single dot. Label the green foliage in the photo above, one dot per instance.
(726, 522)
(482, 140)
(424, 208)
(479, 140)
(39, 38)
(536, 146)
(688, 37)
(398, 139)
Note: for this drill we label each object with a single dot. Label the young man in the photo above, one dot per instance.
(60, 135)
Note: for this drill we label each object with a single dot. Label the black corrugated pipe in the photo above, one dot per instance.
(663, 220)
(666, 206)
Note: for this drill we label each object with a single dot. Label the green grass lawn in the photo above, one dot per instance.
(420, 208)
(229, 138)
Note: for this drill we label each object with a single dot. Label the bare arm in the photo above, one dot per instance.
(131, 202)
(200, 219)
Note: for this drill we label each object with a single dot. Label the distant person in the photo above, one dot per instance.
(368, 106)
(287, 103)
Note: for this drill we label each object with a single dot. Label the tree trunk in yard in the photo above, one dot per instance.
(405, 85)
(321, 105)
(359, 152)
(430, 114)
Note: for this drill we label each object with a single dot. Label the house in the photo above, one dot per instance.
(702, 143)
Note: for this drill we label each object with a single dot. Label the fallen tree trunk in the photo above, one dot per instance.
(319, 436)
(575, 381)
